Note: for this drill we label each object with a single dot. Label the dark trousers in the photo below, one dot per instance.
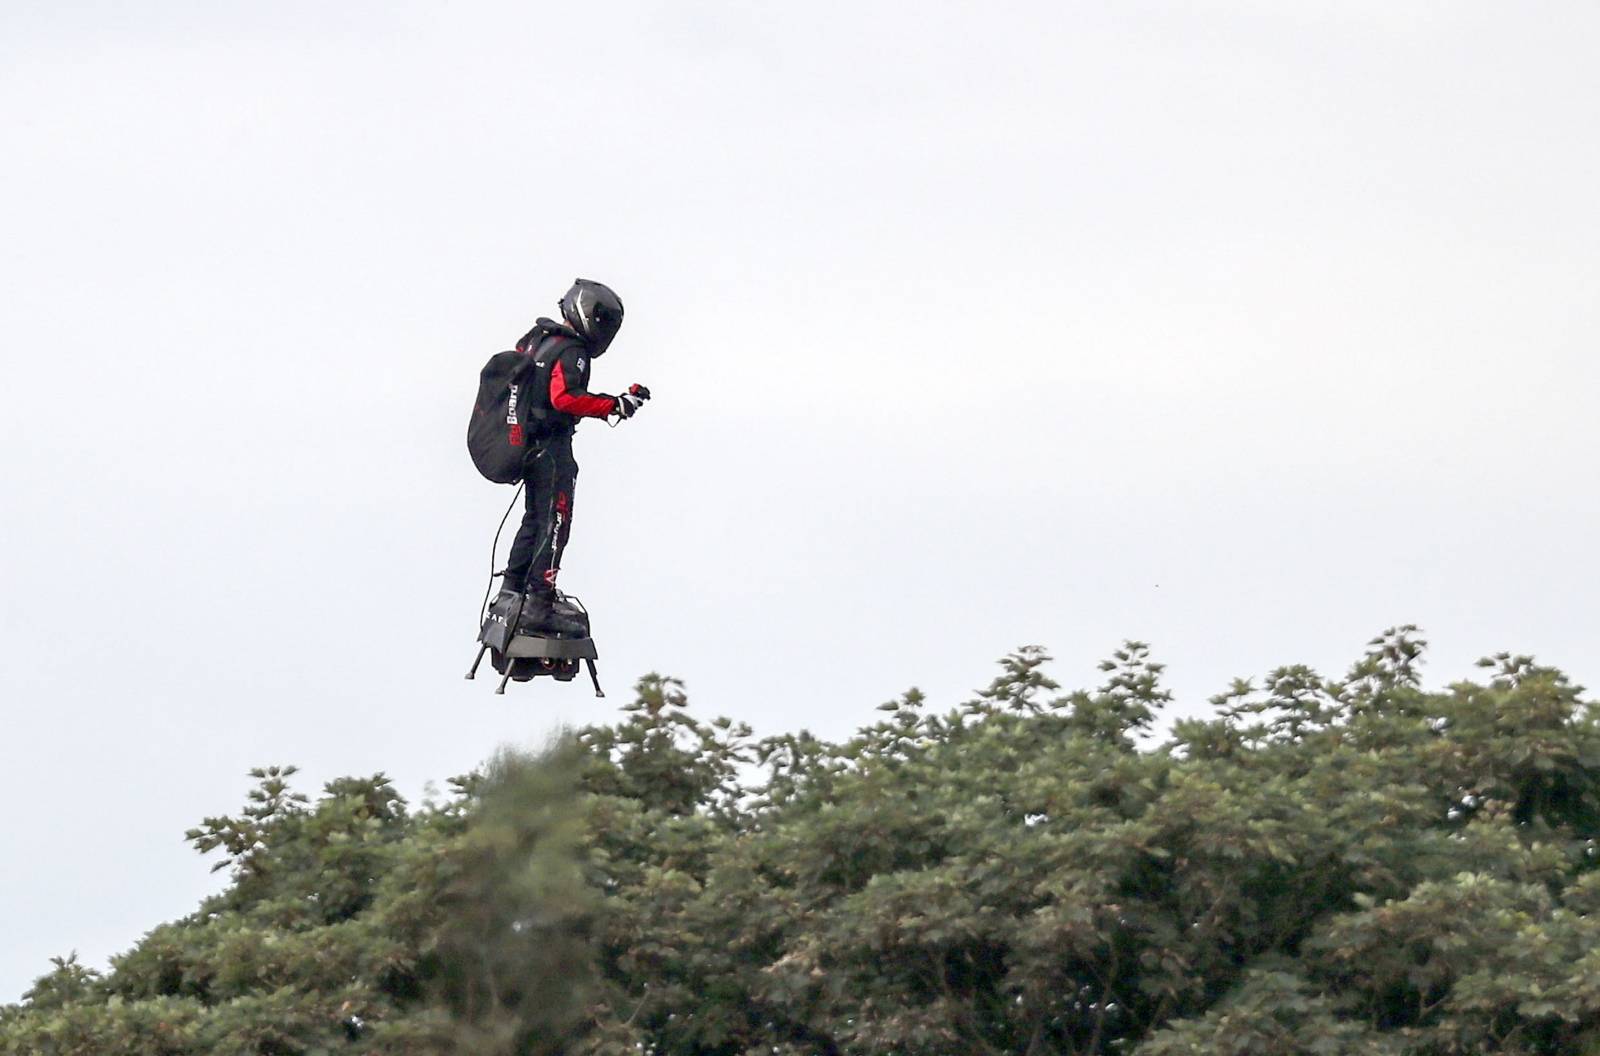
(550, 474)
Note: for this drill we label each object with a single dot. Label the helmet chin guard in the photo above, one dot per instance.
(595, 311)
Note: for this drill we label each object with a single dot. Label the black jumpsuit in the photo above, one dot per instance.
(560, 396)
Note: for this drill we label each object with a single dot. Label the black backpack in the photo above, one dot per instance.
(509, 413)
(497, 434)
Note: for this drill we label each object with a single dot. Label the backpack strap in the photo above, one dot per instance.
(543, 329)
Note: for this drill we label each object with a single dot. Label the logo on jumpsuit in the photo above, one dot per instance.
(563, 511)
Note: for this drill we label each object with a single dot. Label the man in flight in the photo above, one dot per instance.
(561, 355)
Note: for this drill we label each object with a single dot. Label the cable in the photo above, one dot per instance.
(494, 548)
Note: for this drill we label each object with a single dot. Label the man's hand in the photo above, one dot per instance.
(631, 401)
(627, 403)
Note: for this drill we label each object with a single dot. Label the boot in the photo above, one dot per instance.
(564, 606)
(541, 614)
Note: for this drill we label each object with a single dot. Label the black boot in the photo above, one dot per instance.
(566, 606)
(541, 614)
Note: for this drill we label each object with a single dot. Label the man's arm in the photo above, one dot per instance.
(568, 394)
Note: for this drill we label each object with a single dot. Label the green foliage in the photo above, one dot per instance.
(354, 925)
(1353, 865)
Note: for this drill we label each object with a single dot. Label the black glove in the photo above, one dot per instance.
(631, 400)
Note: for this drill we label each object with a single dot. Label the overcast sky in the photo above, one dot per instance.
(1248, 329)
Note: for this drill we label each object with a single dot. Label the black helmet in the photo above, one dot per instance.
(594, 311)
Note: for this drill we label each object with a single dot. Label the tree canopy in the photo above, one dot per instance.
(1325, 865)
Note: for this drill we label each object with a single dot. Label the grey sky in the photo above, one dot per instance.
(1245, 328)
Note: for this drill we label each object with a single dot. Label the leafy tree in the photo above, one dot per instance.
(1326, 865)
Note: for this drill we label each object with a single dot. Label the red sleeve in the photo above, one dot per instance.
(582, 404)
